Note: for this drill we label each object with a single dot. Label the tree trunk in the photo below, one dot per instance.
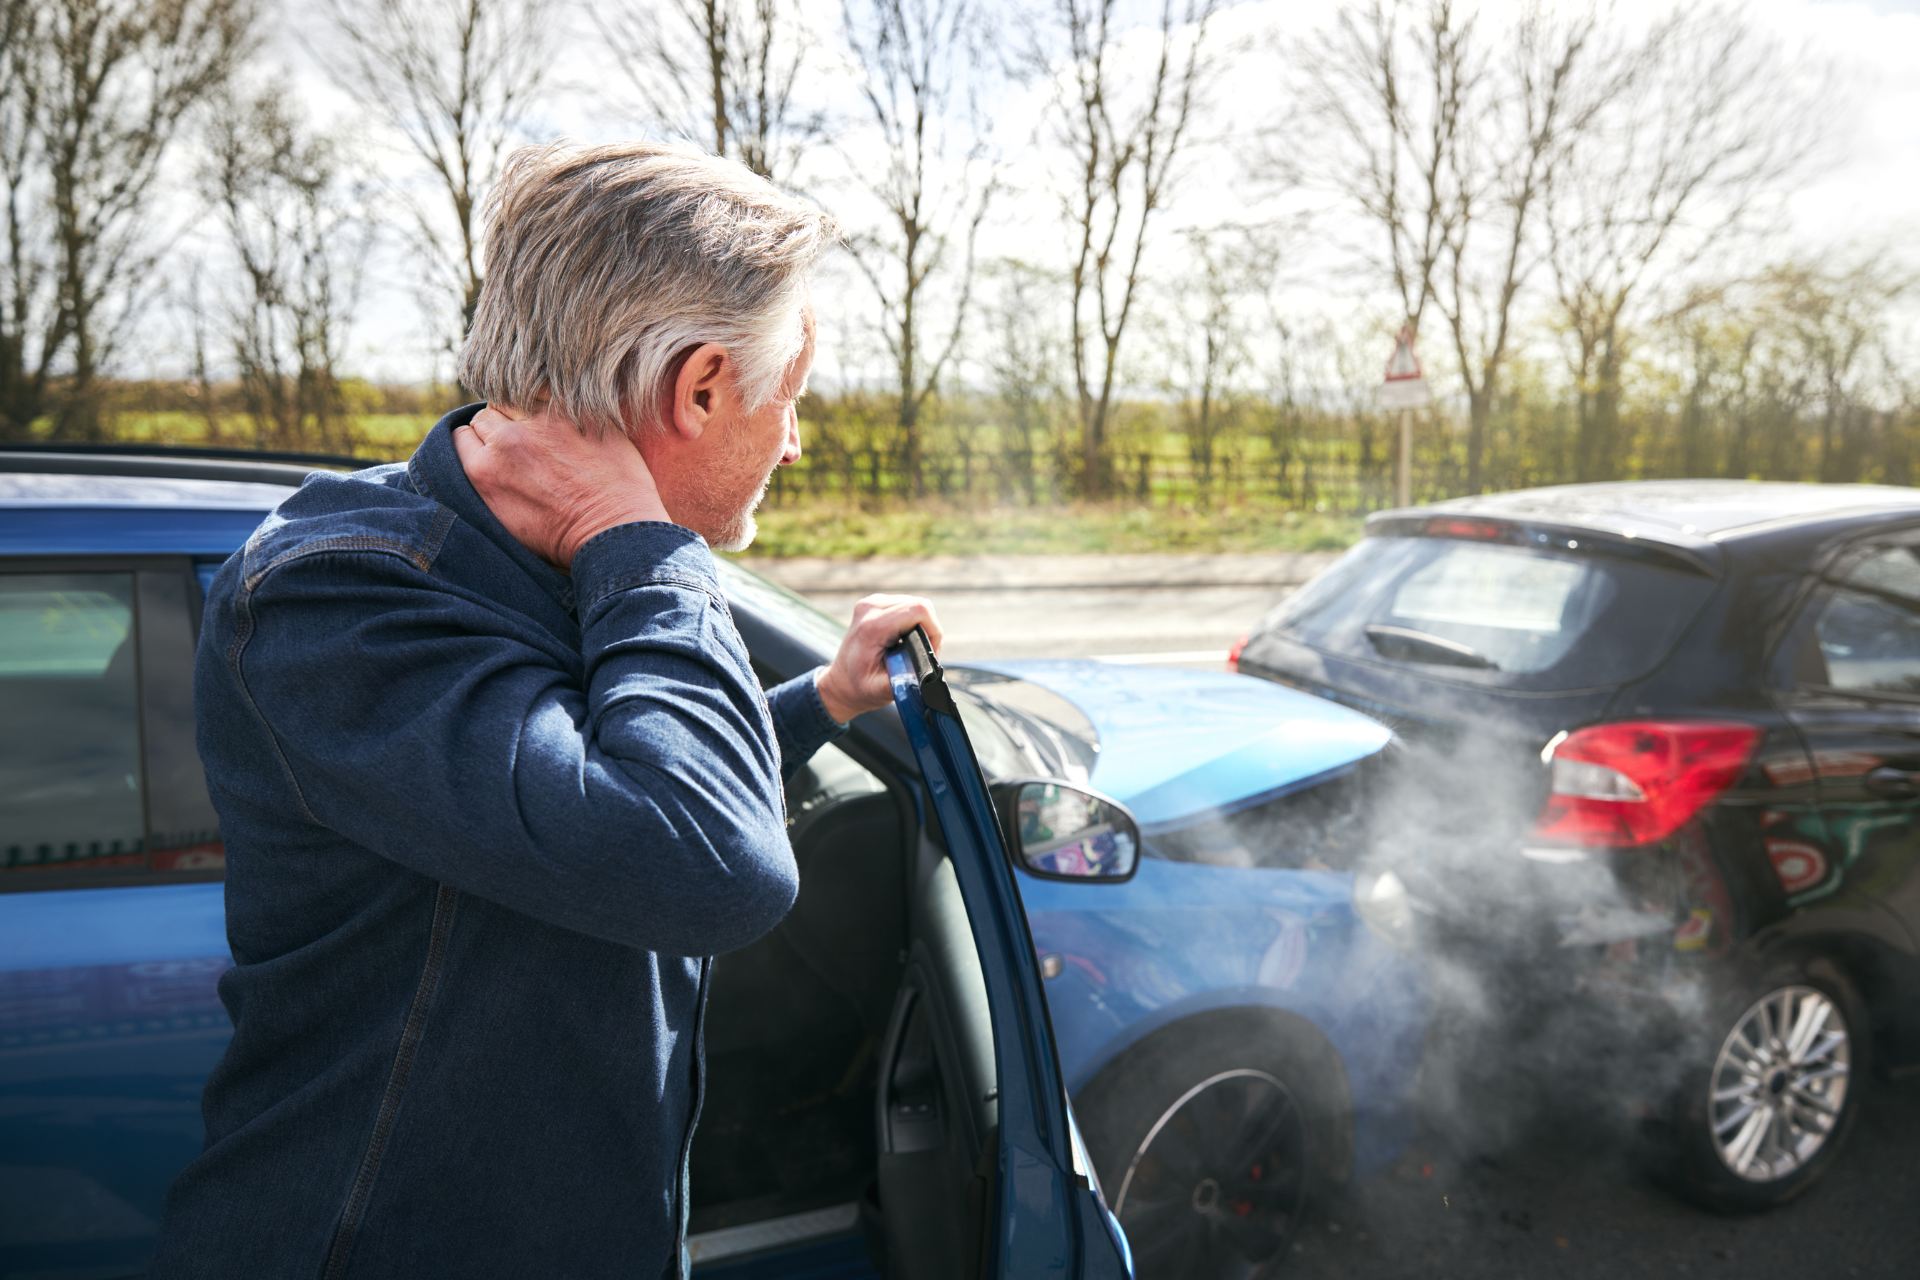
(1479, 411)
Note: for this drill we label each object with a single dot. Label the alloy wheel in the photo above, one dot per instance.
(1214, 1189)
(1780, 1084)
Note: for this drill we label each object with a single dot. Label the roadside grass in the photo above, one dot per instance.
(937, 529)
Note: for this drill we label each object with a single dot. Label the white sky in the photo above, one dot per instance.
(1869, 196)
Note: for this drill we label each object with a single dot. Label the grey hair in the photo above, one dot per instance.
(607, 265)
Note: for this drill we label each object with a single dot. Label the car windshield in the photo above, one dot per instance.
(780, 605)
(1020, 729)
(1493, 613)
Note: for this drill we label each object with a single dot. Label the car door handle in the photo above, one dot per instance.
(1891, 783)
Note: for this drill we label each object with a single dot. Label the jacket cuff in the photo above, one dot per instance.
(644, 553)
(801, 721)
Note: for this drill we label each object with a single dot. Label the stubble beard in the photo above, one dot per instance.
(729, 519)
(738, 533)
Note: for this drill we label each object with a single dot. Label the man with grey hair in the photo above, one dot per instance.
(493, 771)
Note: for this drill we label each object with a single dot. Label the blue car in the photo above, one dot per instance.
(1027, 881)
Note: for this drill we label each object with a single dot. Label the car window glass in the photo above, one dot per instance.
(780, 605)
(1056, 736)
(1481, 587)
(829, 778)
(1869, 629)
(183, 832)
(70, 771)
(1299, 611)
(999, 754)
(1520, 609)
(1493, 613)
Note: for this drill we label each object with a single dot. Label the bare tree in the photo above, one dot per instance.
(24, 354)
(1696, 149)
(1554, 77)
(1208, 346)
(92, 97)
(1445, 130)
(933, 189)
(298, 230)
(1021, 361)
(1393, 92)
(1124, 139)
(722, 71)
(454, 78)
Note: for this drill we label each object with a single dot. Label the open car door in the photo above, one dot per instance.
(1030, 1205)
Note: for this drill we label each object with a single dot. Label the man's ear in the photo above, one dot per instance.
(702, 391)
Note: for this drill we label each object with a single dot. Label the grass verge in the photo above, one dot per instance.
(930, 530)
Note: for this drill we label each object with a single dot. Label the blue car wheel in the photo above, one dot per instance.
(1209, 1138)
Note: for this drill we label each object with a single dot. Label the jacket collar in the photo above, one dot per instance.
(436, 472)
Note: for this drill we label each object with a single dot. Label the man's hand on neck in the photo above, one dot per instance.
(553, 486)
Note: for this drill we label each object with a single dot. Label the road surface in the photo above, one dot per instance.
(1186, 610)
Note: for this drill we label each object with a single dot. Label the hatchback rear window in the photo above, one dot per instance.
(1494, 613)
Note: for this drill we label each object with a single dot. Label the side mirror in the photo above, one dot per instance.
(1058, 831)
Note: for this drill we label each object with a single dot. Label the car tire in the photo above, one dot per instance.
(1208, 1141)
(1775, 1090)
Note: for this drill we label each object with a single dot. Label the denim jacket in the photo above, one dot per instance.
(483, 823)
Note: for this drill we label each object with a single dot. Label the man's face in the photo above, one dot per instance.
(744, 453)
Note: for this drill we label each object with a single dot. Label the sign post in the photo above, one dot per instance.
(1405, 389)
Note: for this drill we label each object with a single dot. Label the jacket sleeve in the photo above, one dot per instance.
(801, 722)
(630, 791)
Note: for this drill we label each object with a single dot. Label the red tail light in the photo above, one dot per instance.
(1233, 654)
(1449, 527)
(1638, 781)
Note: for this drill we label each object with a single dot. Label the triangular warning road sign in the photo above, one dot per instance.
(1405, 366)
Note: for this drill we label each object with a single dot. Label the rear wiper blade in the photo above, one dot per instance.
(1405, 645)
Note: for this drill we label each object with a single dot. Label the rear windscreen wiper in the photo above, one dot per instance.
(1404, 645)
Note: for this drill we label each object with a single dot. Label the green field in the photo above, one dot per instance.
(389, 436)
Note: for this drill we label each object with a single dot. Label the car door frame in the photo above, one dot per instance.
(1046, 1215)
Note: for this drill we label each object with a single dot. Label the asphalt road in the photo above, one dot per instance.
(1182, 609)
(1566, 1196)
(1571, 1199)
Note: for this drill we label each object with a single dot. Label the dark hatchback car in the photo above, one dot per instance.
(1657, 797)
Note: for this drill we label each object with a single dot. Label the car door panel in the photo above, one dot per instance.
(110, 1020)
(1847, 674)
(1037, 1224)
(1850, 682)
(110, 957)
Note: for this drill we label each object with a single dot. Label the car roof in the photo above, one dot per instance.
(1710, 509)
(19, 462)
(1685, 522)
(102, 502)
(56, 490)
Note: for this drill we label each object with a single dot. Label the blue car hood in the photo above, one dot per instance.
(1177, 746)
